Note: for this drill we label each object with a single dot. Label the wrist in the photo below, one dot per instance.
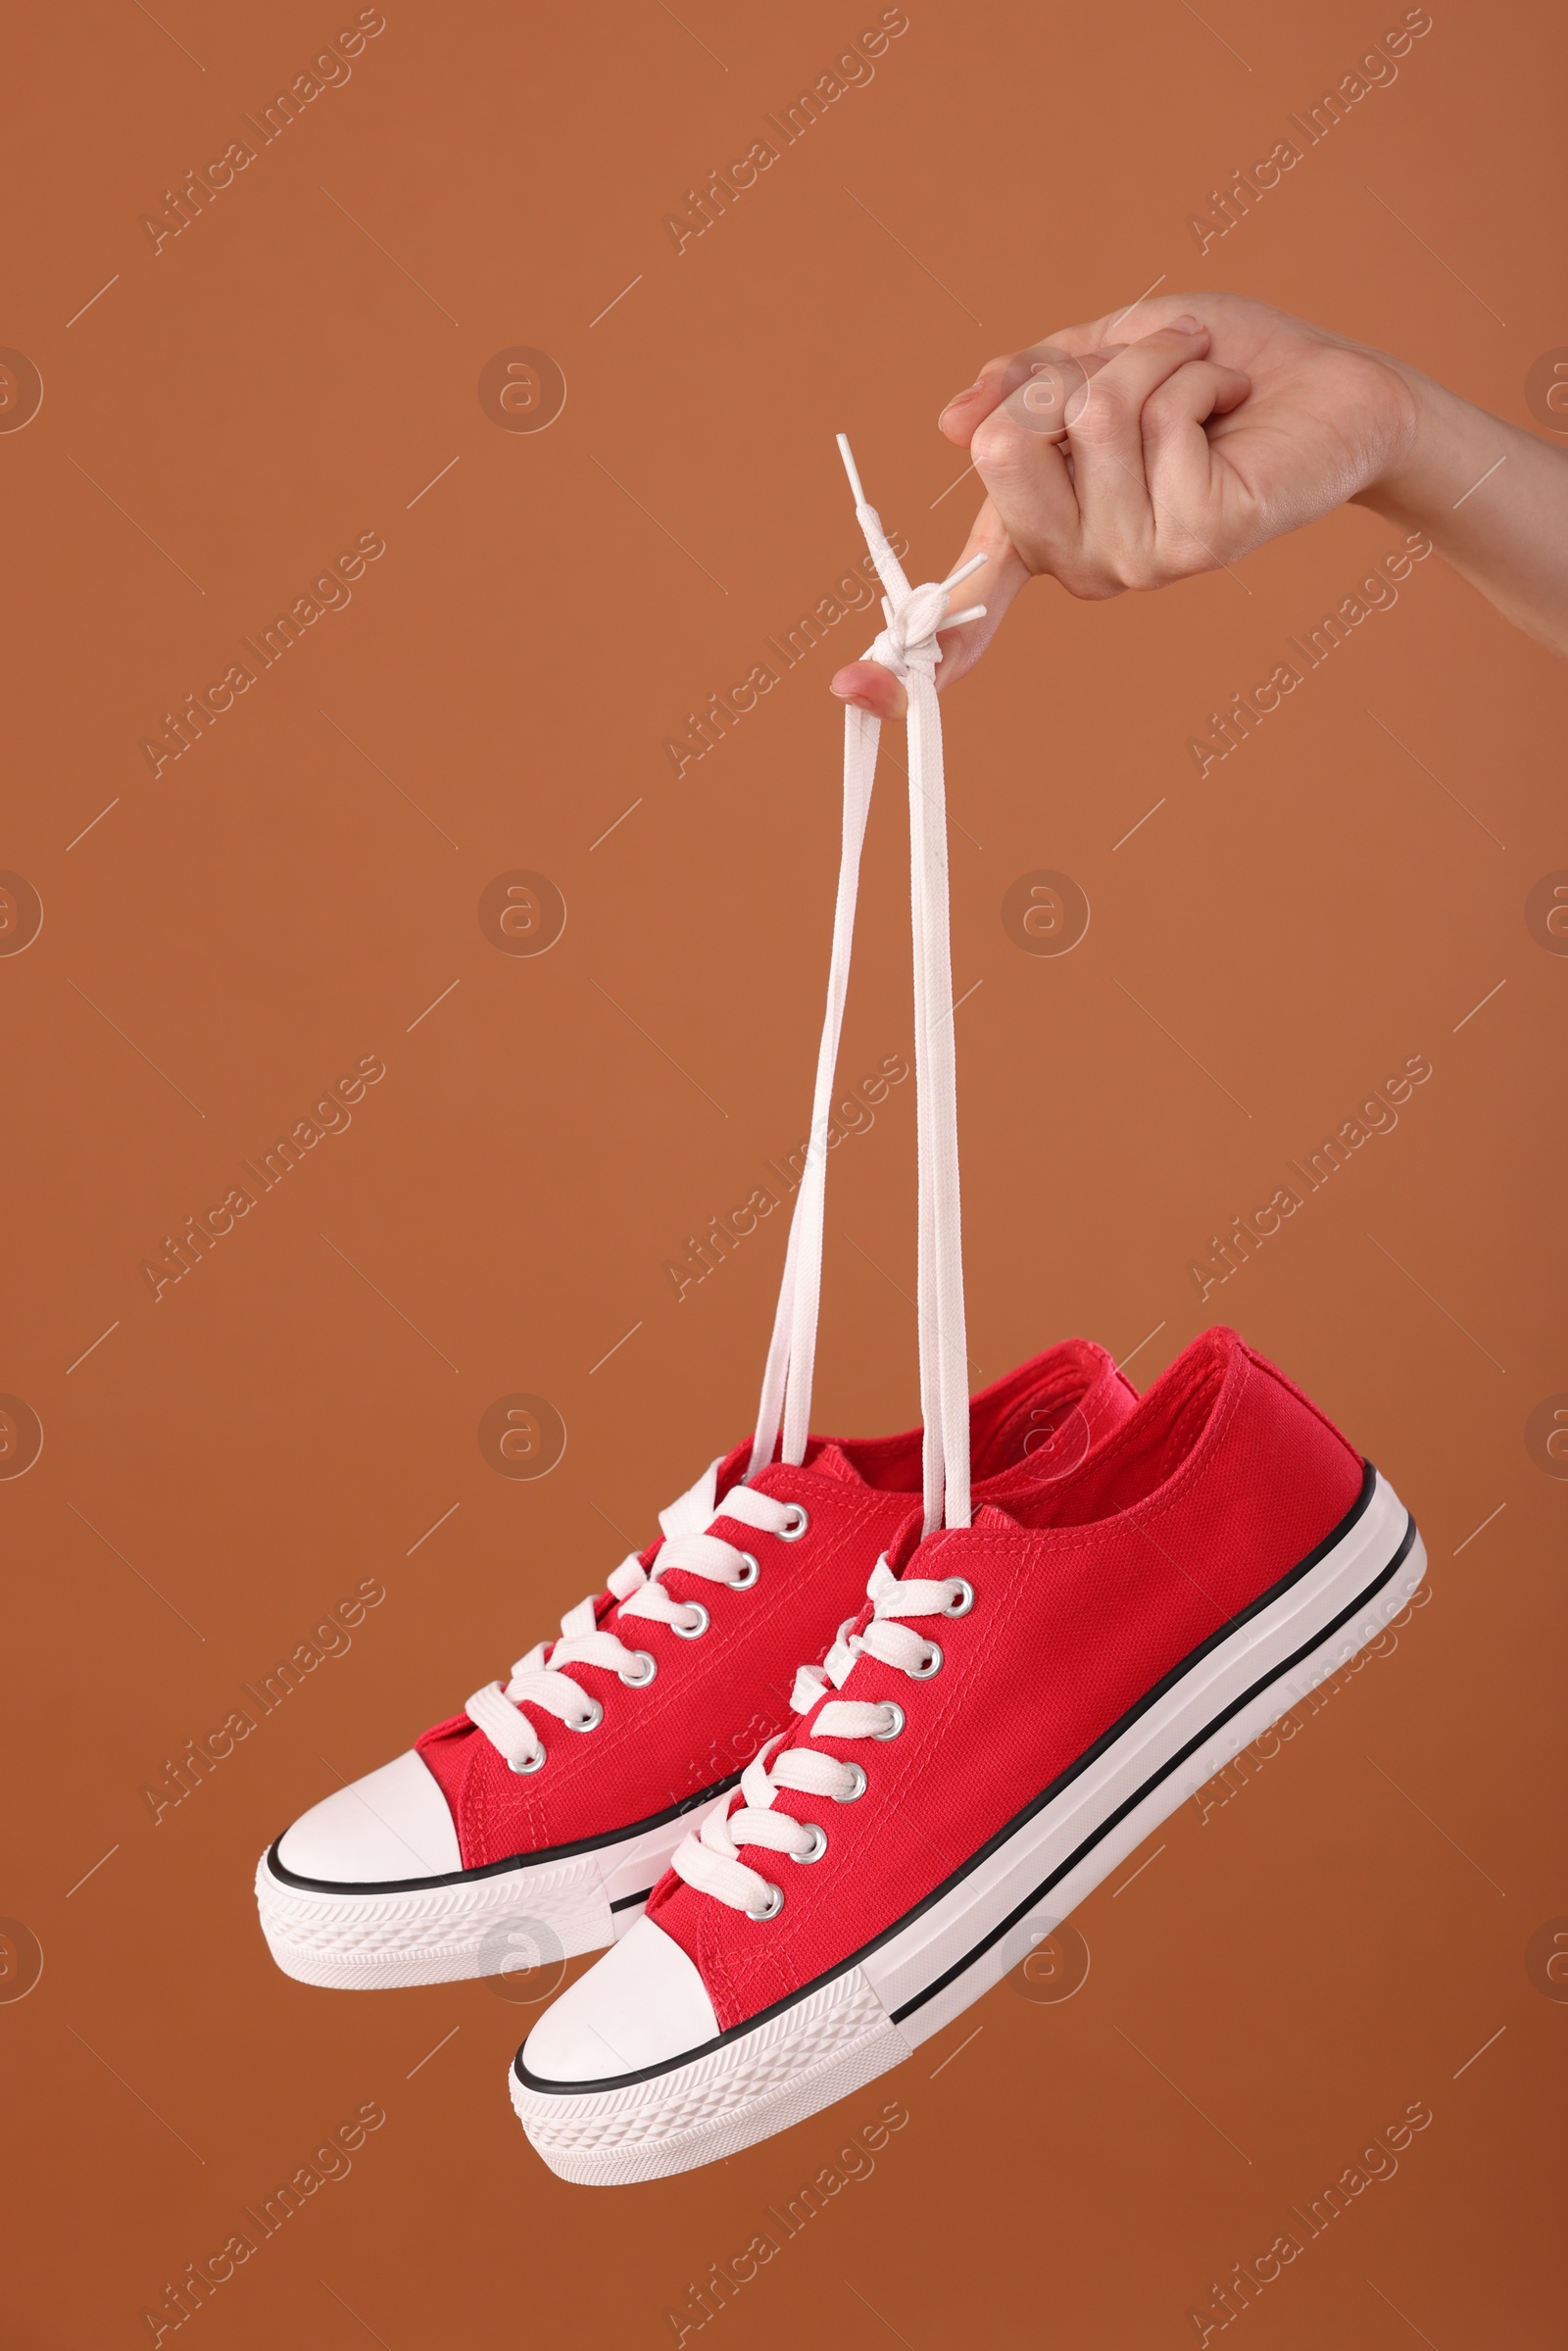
(1429, 438)
(1491, 499)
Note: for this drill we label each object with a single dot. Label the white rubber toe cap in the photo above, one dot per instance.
(393, 1824)
(643, 2004)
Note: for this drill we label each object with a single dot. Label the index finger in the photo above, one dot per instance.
(1099, 339)
(1047, 377)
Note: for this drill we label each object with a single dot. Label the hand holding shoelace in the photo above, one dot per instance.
(711, 1860)
(542, 1679)
(1175, 437)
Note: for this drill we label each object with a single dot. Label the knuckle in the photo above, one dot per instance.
(1167, 396)
(999, 446)
(1190, 561)
(1116, 560)
(1107, 414)
(1163, 412)
(1092, 582)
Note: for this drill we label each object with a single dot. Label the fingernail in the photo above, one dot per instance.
(968, 393)
(1187, 326)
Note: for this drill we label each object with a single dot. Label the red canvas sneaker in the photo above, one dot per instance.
(1023, 1701)
(1028, 1694)
(541, 1817)
(545, 1812)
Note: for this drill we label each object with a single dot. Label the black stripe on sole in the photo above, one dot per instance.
(514, 1861)
(1047, 1795)
(1131, 1803)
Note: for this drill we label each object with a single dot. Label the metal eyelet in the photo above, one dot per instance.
(743, 1582)
(774, 1904)
(895, 1725)
(862, 1783)
(818, 1843)
(650, 1666)
(531, 1763)
(960, 1602)
(693, 1631)
(589, 1722)
(799, 1520)
(932, 1665)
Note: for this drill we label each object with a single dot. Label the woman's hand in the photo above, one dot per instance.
(1115, 463)
(1220, 427)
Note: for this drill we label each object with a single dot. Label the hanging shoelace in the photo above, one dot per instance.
(711, 1860)
(908, 646)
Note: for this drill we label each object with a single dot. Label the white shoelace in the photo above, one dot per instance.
(710, 1861)
(543, 1678)
(907, 647)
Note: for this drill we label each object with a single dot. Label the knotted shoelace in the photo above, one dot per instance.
(907, 647)
(710, 1860)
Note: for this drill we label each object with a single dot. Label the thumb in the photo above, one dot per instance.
(876, 690)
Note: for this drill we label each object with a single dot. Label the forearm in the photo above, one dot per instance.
(1492, 499)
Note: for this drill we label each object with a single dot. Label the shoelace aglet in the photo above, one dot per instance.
(964, 570)
(847, 455)
(974, 612)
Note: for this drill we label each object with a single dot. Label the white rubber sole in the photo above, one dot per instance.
(844, 2031)
(473, 1923)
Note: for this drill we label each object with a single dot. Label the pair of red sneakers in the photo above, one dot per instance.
(560, 1798)
(1023, 1682)
(1013, 1707)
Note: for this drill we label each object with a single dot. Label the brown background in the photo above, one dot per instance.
(1289, 1971)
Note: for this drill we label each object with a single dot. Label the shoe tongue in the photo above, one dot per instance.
(992, 1518)
(830, 1462)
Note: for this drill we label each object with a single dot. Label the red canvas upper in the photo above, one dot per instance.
(715, 1700)
(1088, 1592)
